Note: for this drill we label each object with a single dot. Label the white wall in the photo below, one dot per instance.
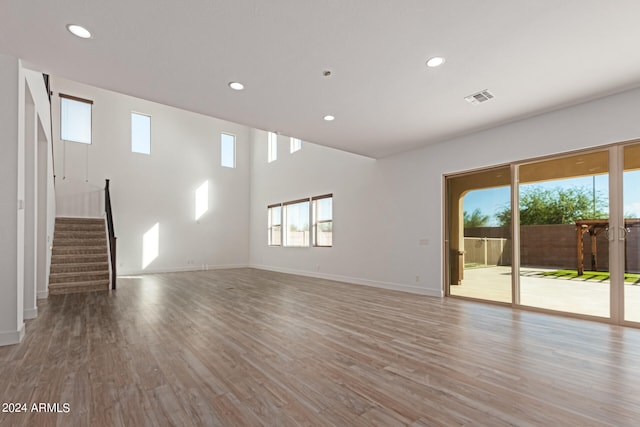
(157, 188)
(24, 109)
(367, 225)
(312, 171)
(29, 141)
(11, 321)
(388, 213)
(39, 172)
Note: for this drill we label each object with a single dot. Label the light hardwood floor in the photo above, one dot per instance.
(249, 347)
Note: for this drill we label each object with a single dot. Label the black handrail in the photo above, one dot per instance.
(112, 233)
(47, 86)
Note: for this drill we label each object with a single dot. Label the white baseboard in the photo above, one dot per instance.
(180, 269)
(12, 337)
(43, 294)
(336, 277)
(30, 313)
(356, 281)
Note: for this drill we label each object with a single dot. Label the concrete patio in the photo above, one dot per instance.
(554, 293)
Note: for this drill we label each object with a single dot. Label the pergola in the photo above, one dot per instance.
(594, 227)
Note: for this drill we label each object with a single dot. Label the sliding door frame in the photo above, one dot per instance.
(616, 234)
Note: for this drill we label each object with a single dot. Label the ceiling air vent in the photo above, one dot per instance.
(479, 98)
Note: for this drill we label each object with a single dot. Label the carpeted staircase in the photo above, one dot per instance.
(79, 262)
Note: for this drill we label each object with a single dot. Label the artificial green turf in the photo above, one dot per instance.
(598, 276)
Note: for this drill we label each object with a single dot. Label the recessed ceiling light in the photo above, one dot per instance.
(79, 31)
(236, 85)
(436, 61)
(329, 118)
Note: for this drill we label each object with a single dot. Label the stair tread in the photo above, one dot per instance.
(85, 267)
(78, 284)
(79, 219)
(76, 287)
(80, 228)
(68, 248)
(77, 276)
(78, 234)
(56, 275)
(83, 264)
(80, 252)
(79, 273)
(71, 256)
(80, 242)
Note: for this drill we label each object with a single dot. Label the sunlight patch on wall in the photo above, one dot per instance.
(150, 245)
(202, 199)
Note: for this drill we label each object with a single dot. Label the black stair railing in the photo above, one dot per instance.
(112, 233)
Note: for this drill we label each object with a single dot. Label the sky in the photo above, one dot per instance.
(492, 200)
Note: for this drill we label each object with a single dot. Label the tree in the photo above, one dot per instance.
(475, 219)
(556, 206)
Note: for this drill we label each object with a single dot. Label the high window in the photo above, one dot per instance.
(227, 150)
(296, 144)
(75, 119)
(140, 133)
(296, 223)
(274, 212)
(272, 147)
(322, 220)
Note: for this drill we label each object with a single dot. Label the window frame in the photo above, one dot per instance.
(136, 113)
(295, 144)
(315, 221)
(272, 147)
(222, 135)
(285, 223)
(72, 98)
(271, 225)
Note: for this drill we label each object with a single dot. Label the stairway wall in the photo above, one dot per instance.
(154, 196)
(23, 245)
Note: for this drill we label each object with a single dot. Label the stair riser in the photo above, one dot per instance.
(70, 251)
(75, 288)
(69, 235)
(68, 220)
(78, 259)
(101, 231)
(80, 268)
(79, 242)
(76, 277)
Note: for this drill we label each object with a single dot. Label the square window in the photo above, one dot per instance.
(75, 119)
(227, 150)
(140, 133)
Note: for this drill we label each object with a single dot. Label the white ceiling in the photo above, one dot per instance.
(534, 56)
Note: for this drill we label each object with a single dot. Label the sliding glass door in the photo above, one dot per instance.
(565, 238)
(563, 222)
(479, 238)
(631, 231)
